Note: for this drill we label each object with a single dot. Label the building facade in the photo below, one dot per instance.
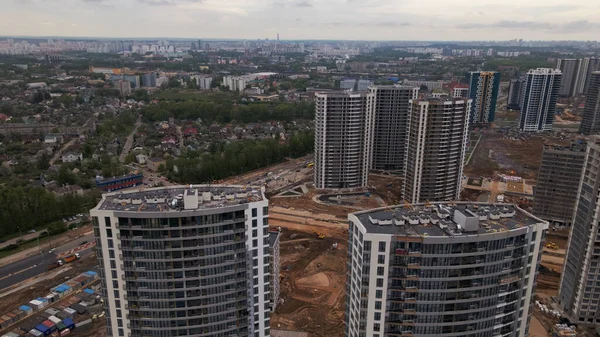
(558, 182)
(204, 82)
(149, 80)
(590, 123)
(363, 85)
(275, 267)
(390, 107)
(342, 140)
(437, 137)
(347, 84)
(483, 90)
(538, 99)
(442, 269)
(578, 293)
(184, 261)
(588, 66)
(515, 92)
(570, 69)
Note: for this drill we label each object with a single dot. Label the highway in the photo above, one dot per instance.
(38, 264)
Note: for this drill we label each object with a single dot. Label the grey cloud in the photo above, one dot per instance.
(369, 24)
(165, 2)
(303, 4)
(573, 26)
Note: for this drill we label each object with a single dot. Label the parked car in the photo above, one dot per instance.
(31, 231)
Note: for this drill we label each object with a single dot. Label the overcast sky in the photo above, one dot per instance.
(306, 19)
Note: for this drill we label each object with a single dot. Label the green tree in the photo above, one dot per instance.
(66, 176)
(43, 163)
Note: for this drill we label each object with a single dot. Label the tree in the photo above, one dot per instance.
(43, 162)
(66, 176)
(174, 82)
(57, 227)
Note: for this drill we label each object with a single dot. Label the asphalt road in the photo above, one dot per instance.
(35, 265)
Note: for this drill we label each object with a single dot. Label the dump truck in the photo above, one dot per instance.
(71, 258)
(55, 265)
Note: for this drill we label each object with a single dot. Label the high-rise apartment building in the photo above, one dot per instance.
(590, 124)
(588, 66)
(483, 90)
(442, 269)
(515, 93)
(390, 105)
(538, 100)
(570, 69)
(578, 292)
(149, 80)
(558, 182)
(124, 87)
(435, 153)
(204, 82)
(342, 140)
(184, 261)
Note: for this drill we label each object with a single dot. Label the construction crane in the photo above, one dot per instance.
(409, 205)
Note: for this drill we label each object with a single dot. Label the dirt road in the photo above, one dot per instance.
(129, 141)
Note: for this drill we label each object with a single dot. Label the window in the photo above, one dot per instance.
(378, 305)
(254, 223)
(382, 247)
(107, 221)
(113, 264)
(109, 232)
(254, 243)
(376, 327)
(254, 212)
(116, 293)
(113, 273)
(380, 271)
(380, 282)
(110, 243)
(265, 210)
(367, 246)
(115, 284)
(377, 316)
(111, 254)
(381, 259)
(379, 294)
(254, 233)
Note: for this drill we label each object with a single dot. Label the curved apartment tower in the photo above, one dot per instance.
(342, 140)
(184, 261)
(443, 269)
(437, 135)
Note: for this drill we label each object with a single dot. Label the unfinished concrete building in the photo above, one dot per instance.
(579, 292)
(390, 105)
(342, 140)
(275, 267)
(558, 182)
(442, 269)
(590, 124)
(436, 144)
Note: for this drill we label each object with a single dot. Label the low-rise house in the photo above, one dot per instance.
(154, 163)
(71, 157)
(69, 190)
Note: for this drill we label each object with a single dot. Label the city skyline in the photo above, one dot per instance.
(301, 19)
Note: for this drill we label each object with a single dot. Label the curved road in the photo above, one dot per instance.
(35, 265)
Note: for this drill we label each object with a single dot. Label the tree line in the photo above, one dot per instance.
(227, 111)
(237, 158)
(33, 207)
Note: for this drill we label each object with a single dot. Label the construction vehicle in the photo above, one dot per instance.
(552, 245)
(55, 265)
(310, 165)
(71, 258)
(319, 235)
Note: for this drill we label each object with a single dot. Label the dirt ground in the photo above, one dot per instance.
(313, 276)
(536, 328)
(388, 187)
(497, 155)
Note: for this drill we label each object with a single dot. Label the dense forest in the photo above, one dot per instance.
(225, 111)
(237, 158)
(30, 208)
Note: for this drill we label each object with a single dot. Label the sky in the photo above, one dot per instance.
(455, 20)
